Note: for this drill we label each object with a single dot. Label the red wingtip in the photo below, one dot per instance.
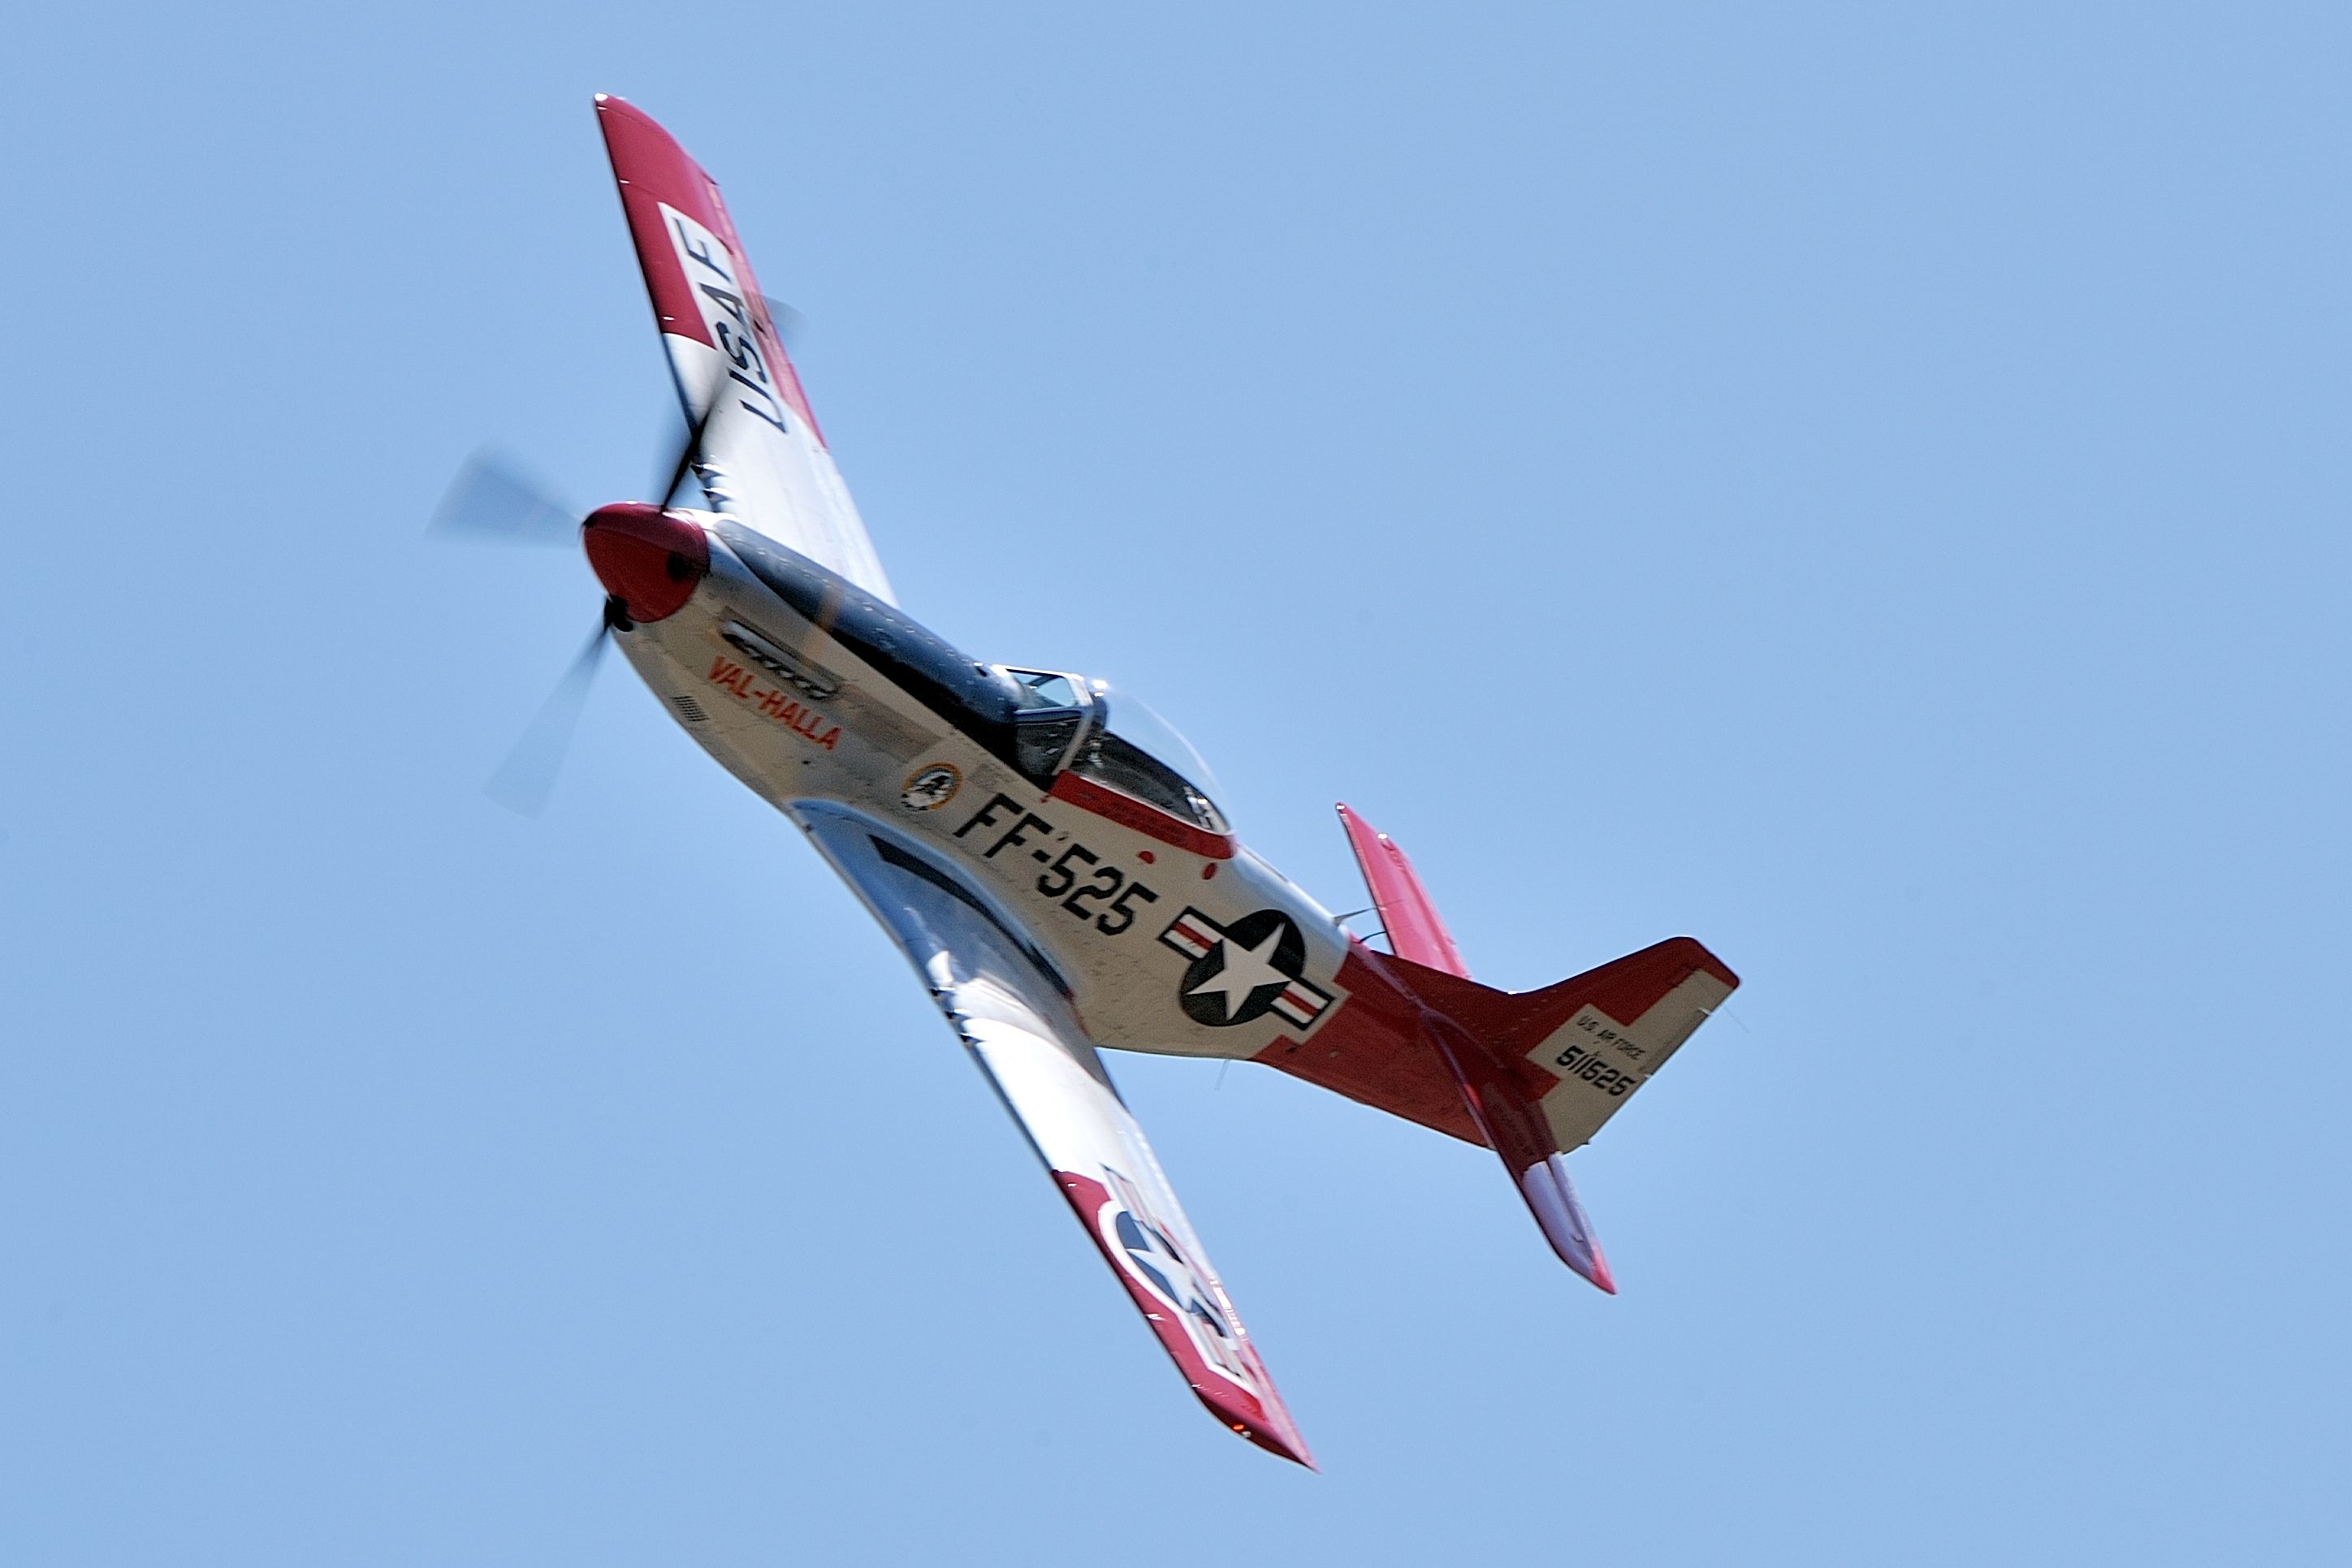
(1600, 1275)
(1292, 1448)
(1263, 1420)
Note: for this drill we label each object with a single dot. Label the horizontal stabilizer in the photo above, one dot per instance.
(1540, 1071)
(1552, 1198)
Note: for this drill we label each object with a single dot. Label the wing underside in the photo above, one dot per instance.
(1011, 1010)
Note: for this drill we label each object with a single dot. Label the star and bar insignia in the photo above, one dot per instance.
(1244, 970)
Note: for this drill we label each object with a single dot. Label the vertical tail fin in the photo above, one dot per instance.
(1406, 913)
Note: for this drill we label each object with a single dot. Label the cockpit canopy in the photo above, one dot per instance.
(1048, 688)
(1042, 722)
(1091, 729)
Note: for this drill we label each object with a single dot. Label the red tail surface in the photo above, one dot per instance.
(1406, 913)
(1539, 1071)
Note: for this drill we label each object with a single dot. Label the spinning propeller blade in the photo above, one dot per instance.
(688, 444)
(526, 777)
(494, 498)
(689, 447)
(790, 324)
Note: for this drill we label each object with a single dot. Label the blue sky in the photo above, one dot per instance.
(1862, 485)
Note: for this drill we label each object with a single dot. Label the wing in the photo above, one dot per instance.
(763, 460)
(1012, 1011)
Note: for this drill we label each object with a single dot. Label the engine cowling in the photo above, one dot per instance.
(649, 560)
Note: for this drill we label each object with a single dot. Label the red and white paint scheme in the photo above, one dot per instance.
(1049, 855)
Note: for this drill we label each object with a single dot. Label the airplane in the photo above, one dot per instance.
(1048, 853)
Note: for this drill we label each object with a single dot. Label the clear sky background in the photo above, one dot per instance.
(1862, 485)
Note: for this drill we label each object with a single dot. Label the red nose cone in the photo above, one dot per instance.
(646, 559)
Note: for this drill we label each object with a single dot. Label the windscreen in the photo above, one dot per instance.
(1140, 754)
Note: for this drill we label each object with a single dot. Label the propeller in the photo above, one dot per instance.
(690, 447)
(792, 327)
(495, 500)
(526, 777)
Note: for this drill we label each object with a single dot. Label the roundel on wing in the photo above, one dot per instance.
(1165, 1270)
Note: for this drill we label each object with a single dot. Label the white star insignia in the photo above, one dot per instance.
(1245, 972)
